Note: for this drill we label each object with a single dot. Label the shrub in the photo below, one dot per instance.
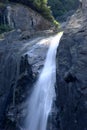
(4, 28)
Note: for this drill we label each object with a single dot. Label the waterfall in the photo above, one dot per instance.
(41, 99)
(9, 16)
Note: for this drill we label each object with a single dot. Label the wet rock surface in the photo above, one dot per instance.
(71, 85)
(20, 63)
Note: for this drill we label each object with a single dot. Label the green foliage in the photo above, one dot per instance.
(60, 7)
(56, 24)
(4, 28)
(41, 6)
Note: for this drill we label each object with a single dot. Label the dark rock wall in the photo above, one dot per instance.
(16, 79)
(71, 85)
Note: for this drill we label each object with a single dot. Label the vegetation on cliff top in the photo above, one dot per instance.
(61, 7)
(38, 5)
(41, 6)
(50, 8)
(47, 8)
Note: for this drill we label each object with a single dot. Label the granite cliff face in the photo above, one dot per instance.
(18, 16)
(21, 59)
(20, 63)
(71, 85)
(22, 53)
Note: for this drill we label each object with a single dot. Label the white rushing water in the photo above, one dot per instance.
(40, 102)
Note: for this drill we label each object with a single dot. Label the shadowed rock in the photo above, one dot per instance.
(71, 85)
